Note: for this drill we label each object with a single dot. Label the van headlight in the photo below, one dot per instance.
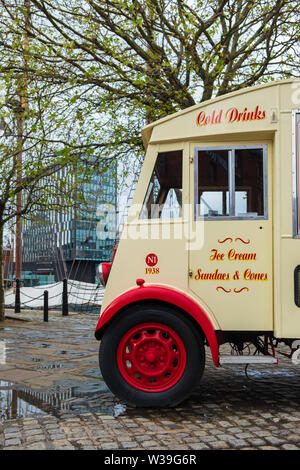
(99, 274)
(102, 273)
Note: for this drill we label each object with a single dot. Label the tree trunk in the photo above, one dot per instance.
(2, 294)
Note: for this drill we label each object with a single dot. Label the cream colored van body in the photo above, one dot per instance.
(237, 266)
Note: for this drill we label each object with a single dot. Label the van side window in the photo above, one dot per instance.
(231, 182)
(213, 182)
(249, 183)
(164, 194)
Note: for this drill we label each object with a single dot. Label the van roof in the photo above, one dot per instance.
(147, 130)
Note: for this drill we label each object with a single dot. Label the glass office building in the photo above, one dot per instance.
(71, 242)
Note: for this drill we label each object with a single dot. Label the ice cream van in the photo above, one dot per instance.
(210, 253)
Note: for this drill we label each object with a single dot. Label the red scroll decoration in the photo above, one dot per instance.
(241, 290)
(229, 238)
(246, 242)
(220, 287)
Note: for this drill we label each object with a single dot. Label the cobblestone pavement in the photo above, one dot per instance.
(52, 397)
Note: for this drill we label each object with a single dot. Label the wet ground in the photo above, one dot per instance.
(48, 367)
(52, 396)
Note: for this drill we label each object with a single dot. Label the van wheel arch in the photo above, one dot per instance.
(156, 303)
(141, 326)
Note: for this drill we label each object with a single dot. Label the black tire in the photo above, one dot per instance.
(189, 337)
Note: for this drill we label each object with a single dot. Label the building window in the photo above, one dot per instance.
(231, 182)
(164, 194)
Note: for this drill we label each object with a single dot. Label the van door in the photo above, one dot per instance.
(232, 271)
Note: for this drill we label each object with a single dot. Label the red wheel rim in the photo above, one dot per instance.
(151, 357)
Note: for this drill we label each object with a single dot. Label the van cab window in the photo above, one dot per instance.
(249, 182)
(213, 182)
(231, 182)
(164, 194)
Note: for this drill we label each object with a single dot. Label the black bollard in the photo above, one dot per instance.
(65, 307)
(17, 297)
(46, 305)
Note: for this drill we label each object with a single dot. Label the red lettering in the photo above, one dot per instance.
(232, 114)
(215, 256)
(200, 118)
(250, 276)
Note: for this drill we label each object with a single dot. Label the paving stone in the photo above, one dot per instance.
(60, 443)
(129, 445)
(294, 438)
(256, 442)
(224, 424)
(65, 448)
(199, 446)
(13, 448)
(108, 446)
(11, 430)
(56, 437)
(263, 433)
(51, 426)
(274, 440)
(201, 433)
(289, 447)
(219, 445)
(33, 432)
(245, 435)
(237, 443)
(14, 435)
(37, 438)
(208, 439)
(37, 446)
(11, 442)
(147, 444)
(268, 448)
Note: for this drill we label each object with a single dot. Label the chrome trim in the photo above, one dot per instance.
(295, 169)
(196, 204)
(231, 182)
(231, 186)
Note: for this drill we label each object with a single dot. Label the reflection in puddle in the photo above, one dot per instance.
(17, 401)
(38, 344)
(13, 406)
(55, 365)
(3, 352)
(263, 372)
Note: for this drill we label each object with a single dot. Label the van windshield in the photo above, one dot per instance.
(164, 193)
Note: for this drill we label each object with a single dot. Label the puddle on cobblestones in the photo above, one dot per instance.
(13, 405)
(265, 373)
(38, 345)
(73, 396)
(73, 354)
(32, 359)
(31, 335)
(93, 372)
